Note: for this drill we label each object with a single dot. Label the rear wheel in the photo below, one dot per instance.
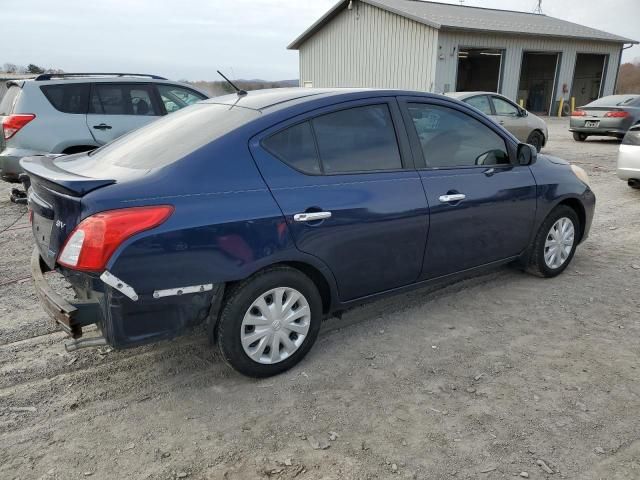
(580, 137)
(634, 183)
(269, 322)
(555, 244)
(536, 139)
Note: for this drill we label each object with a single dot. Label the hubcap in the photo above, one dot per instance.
(275, 325)
(559, 243)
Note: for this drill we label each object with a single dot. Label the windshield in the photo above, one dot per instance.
(172, 137)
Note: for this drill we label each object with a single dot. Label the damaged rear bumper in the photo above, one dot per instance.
(125, 318)
(71, 317)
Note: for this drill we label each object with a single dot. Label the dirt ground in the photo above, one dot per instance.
(488, 378)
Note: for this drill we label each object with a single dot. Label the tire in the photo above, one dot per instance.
(538, 265)
(536, 139)
(580, 137)
(633, 183)
(240, 320)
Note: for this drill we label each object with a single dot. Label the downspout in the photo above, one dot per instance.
(615, 85)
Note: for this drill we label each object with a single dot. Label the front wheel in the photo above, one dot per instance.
(536, 139)
(269, 322)
(555, 244)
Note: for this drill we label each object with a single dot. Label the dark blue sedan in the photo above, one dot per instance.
(261, 214)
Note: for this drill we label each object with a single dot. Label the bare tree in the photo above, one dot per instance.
(629, 78)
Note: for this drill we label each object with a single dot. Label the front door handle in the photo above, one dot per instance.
(102, 126)
(311, 216)
(456, 197)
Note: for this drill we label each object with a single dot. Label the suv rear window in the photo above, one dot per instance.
(70, 98)
(9, 100)
(172, 137)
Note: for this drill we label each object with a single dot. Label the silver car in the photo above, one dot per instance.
(71, 113)
(525, 126)
(608, 116)
(629, 158)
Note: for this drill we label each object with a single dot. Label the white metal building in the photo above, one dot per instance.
(437, 47)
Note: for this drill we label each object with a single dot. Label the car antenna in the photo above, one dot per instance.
(239, 91)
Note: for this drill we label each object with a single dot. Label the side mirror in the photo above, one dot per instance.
(523, 113)
(527, 154)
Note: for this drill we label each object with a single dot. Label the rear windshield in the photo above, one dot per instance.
(614, 101)
(9, 100)
(632, 137)
(173, 137)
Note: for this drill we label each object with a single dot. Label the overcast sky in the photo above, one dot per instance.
(190, 39)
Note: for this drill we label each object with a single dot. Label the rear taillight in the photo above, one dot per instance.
(94, 240)
(13, 123)
(578, 113)
(617, 114)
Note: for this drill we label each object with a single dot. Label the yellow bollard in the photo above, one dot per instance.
(522, 103)
(561, 105)
(573, 104)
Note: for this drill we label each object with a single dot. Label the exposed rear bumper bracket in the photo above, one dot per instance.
(70, 316)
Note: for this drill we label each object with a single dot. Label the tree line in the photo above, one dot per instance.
(629, 78)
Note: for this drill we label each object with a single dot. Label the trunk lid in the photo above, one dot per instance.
(55, 197)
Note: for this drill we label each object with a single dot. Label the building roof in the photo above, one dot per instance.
(444, 16)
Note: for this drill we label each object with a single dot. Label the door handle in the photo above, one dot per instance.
(311, 216)
(102, 126)
(456, 197)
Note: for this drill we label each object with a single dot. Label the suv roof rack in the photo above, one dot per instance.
(49, 76)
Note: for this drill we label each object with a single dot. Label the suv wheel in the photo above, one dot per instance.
(555, 244)
(269, 322)
(580, 137)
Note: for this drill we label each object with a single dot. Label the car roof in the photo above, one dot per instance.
(282, 97)
(102, 79)
(463, 95)
(615, 100)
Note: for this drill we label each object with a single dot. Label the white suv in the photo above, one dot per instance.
(71, 113)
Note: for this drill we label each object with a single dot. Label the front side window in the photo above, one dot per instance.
(122, 99)
(358, 139)
(450, 138)
(505, 108)
(481, 102)
(69, 98)
(175, 98)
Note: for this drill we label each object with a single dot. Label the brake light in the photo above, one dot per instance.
(578, 113)
(94, 240)
(13, 123)
(617, 114)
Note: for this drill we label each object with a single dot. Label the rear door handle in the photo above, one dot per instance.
(456, 197)
(102, 126)
(311, 216)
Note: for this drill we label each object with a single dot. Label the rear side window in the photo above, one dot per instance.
(9, 100)
(358, 139)
(481, 102)
(122, 99)
(172, 137)
(295, 146)
(70, 98)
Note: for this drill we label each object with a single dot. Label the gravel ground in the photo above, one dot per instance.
(483, 379)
